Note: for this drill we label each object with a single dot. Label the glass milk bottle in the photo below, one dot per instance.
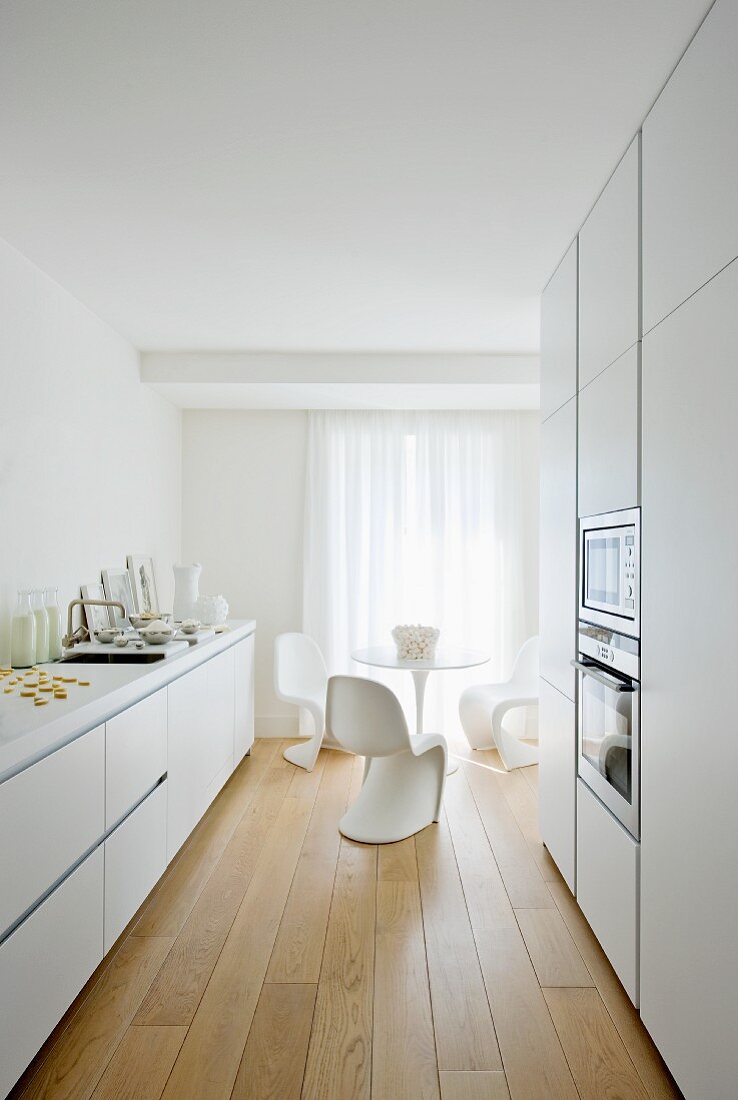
(42, 626)
(23, 632)
(53, 613)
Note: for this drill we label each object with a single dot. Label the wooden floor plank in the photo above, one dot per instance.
(208, 1062)
(173, 900)
(339, 1053)
(72, 1067)
(522, 799)
(523, 881)
(397, 862)
(465, 1034)
(404, 1062)
(599, 1061)
(474, 1086)
(638, 1042)
(140, 1066)
(273, 1062)
(178, 987)
(532, 1056)
(552, 950)
(298, 950)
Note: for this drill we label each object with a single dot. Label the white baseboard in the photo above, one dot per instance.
(276, 725)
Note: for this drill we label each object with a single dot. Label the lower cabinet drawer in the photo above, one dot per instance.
(136, 754)
(135, 860)
(50, 815)
(608, 871)
(45, 963)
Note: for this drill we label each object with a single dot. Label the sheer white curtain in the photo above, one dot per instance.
(417, 517)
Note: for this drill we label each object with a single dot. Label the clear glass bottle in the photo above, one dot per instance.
(23, 632)
(42, 626)
(53, 611)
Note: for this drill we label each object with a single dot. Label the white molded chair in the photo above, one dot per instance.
(483, 707)
(300, 677)
(404, 776)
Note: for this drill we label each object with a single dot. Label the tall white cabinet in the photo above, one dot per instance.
(609, 348)
(689, 814)
(557, 735)
(689, 889)
(690, 169)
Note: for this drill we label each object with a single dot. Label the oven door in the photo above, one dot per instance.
(608, 740)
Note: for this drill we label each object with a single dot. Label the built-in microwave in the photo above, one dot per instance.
(609, 570)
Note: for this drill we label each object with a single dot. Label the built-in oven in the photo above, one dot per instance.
(608, 751)
(609, 570)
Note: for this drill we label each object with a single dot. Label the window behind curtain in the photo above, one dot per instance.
(421, 517)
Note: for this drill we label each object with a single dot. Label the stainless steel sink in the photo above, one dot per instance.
(121, 657)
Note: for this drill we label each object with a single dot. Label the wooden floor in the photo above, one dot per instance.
(275, 959)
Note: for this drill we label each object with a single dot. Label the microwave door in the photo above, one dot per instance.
(603, 572)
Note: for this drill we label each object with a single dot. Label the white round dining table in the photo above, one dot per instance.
(450, 658)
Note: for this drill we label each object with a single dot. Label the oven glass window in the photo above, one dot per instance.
(607, 734)
(603, 570)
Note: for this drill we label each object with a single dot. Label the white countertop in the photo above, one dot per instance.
(28, 733)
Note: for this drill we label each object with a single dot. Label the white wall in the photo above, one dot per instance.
(89, 456)
(243, 477)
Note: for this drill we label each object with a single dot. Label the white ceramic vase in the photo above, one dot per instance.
(186, 590)
(211, 610)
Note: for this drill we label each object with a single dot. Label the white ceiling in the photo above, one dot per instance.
(390, 174)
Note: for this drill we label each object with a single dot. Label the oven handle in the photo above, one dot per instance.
(609, 681)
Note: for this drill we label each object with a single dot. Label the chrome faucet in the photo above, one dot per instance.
(81, 634)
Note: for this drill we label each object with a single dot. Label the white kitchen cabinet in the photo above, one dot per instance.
(609, 438)
(609, 271)
(558, 552)
(607, 885)
(136, 754)
(187, 724)
(46, 962)
(689, 813)
(559, 335)
(218, 740)
(50, 815)
(243, 731)
(690, 168)
(557, 748)
(135, 860)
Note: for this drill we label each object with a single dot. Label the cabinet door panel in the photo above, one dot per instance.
(690, 168)
(607, 885)
(50, 815)
(243, 668)
(136, 754)
(45, 963)
(609, 439)
(135, 859)
(559, 547)
(609, 271)
(557, 778)
(689, 746)
(559, 335)
(218, 741)
(187, 724)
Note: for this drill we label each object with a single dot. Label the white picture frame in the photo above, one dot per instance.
(143, 583)
(97, 618)
(117, 585)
